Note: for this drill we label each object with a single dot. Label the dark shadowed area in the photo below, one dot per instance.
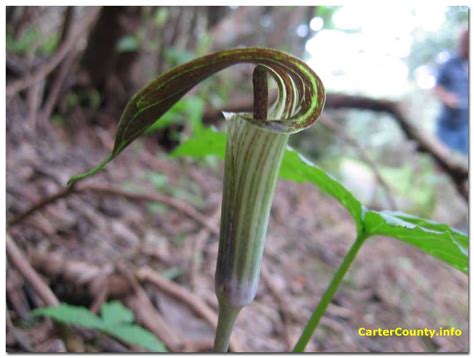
(144, 232)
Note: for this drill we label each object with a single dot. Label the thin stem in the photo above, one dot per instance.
(225, 324)
(328, 295)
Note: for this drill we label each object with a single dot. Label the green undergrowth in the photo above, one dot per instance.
(115, 320)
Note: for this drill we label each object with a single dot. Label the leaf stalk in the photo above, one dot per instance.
(318, 313)
(225, 324)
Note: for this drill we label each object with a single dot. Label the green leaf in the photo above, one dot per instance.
(438, 240)
(190, 109)
(68, 314)
(138, 336)
(297, 168)
(114, 313)
(116, 321)
(23, 44)
(208, 142)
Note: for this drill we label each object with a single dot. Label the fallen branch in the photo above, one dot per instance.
(15, 293)
(125, 284)
(182, 294)
(41, 204)
(147, 315)
(82, 274)
(19, 338)
(283, 312)
(101, 296)
(19, 260)
(177, 204)
(185, 296)
(174, 203)
(198, 245)
(455, 169)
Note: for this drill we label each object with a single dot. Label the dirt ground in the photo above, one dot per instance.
(390, 285)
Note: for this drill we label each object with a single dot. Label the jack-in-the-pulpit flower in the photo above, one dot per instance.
(255, 145)
(253, 158)
(252, 163)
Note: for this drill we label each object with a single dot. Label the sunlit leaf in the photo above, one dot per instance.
(68, 314)
(138, 336)
(208, 142)
(116, 321)
(114, 312)
(438, 240)
(297, 168)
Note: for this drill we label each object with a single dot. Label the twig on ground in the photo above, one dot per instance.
(41, 204)
(282, 307)
(101, 296)
(177, 204)
(83, 274)
(179, 292)
(185, 296)
(54, 345)
(22, 342)
(15, 294)
(204, 345)
(147, 314)
(198, 245)
(19, 260)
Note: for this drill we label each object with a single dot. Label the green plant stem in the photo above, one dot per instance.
(225, 324)
(328, 295)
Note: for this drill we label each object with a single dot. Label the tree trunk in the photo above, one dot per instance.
(100, 55)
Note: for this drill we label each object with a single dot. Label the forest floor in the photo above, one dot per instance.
(103, 243)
